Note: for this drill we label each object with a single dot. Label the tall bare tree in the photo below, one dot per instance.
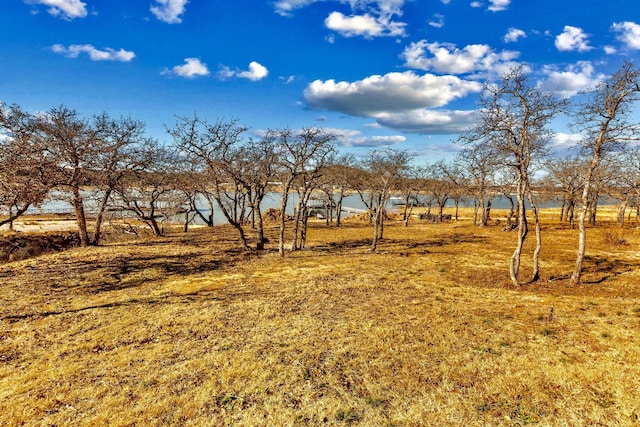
(72, 145)
(606, 123)
(386, 168)
(514, 120)
(215, 145)
(120, 152)
(25, 177)
(302, 153)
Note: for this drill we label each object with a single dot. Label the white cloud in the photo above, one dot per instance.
(628, 33)
(354, 138)
(476, 4)
(513, 35)
(447, 58)
(498, 5)
(429, 122)
(437, 21)
(571, 81)
(355, 25)
(286, 7)
(106, 54)
(66, 9)
(573, 38)
(393, 92)
(372, 141)
(255, 72)
(610, 50)
(567, 139)
(192, 68)
(370, 18)
(367, 26)
(169, 11)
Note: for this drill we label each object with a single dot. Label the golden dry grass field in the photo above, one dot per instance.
(190, 330)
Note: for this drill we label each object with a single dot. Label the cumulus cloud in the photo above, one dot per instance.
(447, 58)
(573, 38)
(513, 35)
(66, 9)
(255, 72)
(567, 139)
(391, 92)
(169, 11)
(369, 18)
(191, 68)
(354, 138)
(628, 33)
(106, 54)
(366, 25)
(498, 5)
(572, 80)
(429, 122)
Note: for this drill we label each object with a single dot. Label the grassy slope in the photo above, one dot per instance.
(187, 330)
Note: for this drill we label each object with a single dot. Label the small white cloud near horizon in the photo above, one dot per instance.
(106, 54)
(192, 68)
(255, 72)
(628, 33)
(513, 35)
(65, 9)
(169, 11)
(572, 39)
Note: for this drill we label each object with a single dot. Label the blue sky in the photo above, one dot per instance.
(398, 73)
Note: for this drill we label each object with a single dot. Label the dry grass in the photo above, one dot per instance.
(187, 330)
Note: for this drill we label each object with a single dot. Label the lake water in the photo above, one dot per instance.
(272, 200)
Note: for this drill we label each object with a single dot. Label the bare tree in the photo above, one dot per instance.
(513, 120)
(335, 185)
(72, 146)
(566, 178)
(386, 168)
(151, 194)
(216, 147)
(25, 177)
(481, 163)
(303, 156)
(259, 162)
(604, 120)
(120, 153)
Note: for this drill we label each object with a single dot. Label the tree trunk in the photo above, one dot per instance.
(100, 216)
(582, 230)
(523, 229)
(283, 206)
(81, 219)
(535, 276)
(376, 230)
(476, 208)
(622, 208)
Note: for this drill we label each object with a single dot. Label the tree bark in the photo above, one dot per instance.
(81, 219)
